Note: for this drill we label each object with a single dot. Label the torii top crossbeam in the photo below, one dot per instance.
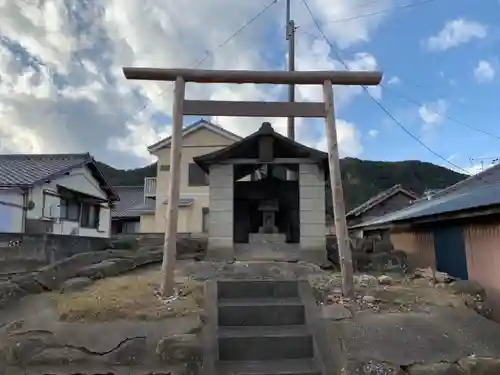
(365, 78)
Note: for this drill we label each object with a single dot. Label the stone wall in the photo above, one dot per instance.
(312, 213)
(220, 243)
(26, 252)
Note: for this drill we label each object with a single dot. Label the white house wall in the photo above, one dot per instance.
(11, 211)
(48, 205)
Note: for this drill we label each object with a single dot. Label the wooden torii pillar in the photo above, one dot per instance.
(324, 109)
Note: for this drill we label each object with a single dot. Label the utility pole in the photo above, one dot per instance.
(490, 160)
(290, 36)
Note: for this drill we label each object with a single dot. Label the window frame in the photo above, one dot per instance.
(194, 183)
(64, 214)
(86, 219)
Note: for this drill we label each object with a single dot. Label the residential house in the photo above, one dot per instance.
(456, 231)
(380, 204)
(386, 201)
(199, 138)
(57, 193)
(125, 219)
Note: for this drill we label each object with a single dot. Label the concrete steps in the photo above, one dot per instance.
(262, 329)
(279, 367)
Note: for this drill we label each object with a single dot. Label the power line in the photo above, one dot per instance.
(264, 10)
(384, 11)
(410, 100)
(377, 102)
(212, 52)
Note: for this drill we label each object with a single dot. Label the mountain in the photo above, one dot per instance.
(361, 178)
(126, 177)
(364, 178)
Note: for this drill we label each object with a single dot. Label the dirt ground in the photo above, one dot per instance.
(133, 296)
(402, 321)
(400, 295)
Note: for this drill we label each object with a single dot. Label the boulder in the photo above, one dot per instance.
(432, 275)
(28, 283)
(385, 280)
(369, 299)
(106, 268)
(9, 292)
(179, 349)
(74, 284)
(20, 348)
(440, 368)
(132, 352)
(147, 256)
(365, 280)
(60, 356)
(52, 276)
(480, 366)
(468, 287)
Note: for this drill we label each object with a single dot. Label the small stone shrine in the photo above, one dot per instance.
(255, 211)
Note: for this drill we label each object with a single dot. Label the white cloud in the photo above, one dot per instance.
(348, 138)
(432, 114)
(484, 72)
(394, 80)
(456, 32)
(62, 88)
(373, 133)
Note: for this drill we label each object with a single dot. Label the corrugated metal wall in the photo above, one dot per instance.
(418, 245)
(482, 244)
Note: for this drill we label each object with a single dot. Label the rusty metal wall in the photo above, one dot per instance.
(482, 246)
(418, 245)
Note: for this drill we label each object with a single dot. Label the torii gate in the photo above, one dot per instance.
(182, 107)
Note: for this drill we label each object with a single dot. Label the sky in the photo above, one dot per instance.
(62, 87)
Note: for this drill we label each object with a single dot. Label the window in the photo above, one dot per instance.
(164, 167)
(197, 176)
(90, 215)
(70, 209)
(204, 219)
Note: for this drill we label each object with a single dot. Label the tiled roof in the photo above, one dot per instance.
(248, 147)
(130, 196)
(481, 197)
(193, 127)
(380, 197)
(24, 170)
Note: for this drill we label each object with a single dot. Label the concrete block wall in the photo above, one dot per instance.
(27, 252)
(312, 213)
(220, 217)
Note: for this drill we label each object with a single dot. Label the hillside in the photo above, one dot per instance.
(361, 178)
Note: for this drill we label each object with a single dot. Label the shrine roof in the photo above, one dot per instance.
(248, 148)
